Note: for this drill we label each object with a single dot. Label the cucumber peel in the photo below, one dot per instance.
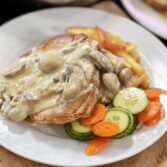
(78, 131)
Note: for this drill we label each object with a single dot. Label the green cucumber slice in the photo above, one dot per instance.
(130, 129)
(133, 99)
(77, 126)
(78, 131)
(133, 128)
(124, 118)
(119, 116)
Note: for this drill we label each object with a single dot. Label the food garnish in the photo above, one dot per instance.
(97, 115)
(96, 145)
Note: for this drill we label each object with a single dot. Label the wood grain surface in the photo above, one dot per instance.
(154, 156)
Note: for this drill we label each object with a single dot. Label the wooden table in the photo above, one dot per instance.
(154, 156)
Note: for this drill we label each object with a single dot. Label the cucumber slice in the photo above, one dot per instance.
(78, 131)
(123, 118)
(77, 126)
(131, 128)
(133, 99)
(119, 116)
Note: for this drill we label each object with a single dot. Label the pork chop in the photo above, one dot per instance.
(59, 81)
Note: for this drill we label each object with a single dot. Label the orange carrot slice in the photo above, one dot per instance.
(154, 93)
(96, 145)
(154, 120)
(151, 111)
(98, 114)
(156, 99)
(105, 129)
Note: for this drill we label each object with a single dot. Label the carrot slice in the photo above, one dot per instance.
(154, 120)
(105, 129)
(106, 43)
(152, 110)
(156, 99)
(153, 93)
(98, 114)
(96, 145)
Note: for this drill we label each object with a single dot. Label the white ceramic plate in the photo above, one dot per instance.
(49, 144)
(147, 16)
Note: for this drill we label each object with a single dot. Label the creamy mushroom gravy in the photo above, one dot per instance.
(43, 80)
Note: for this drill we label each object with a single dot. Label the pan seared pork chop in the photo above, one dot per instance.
(60, 80)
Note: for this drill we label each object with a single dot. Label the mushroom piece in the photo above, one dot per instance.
(50, 61)
(90, 71)
(30, 96)
(71, 90)
(111, 82)
(101, 61)
(125, 76)
(119, 66)
(117, 62)
(18, 113)
(75, 84)
(68, 50)
(14, 70)
(5, 107)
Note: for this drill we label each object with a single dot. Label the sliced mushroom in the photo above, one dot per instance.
(89, 51)
(14, 70)
(18, 113)
(30, 96)
(87, 67)
(117, 62)
(81, 51)
(71, 91)
(76, 83)
(101, 61)
(50, 61)
(68, 49)
(119, 66)
(5, 107)
(125, 76)
(111, 82)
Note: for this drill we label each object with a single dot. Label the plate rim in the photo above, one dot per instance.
(139, 150)
(107, 161)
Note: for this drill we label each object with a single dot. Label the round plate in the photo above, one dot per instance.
(50, 144)
(147, 16)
